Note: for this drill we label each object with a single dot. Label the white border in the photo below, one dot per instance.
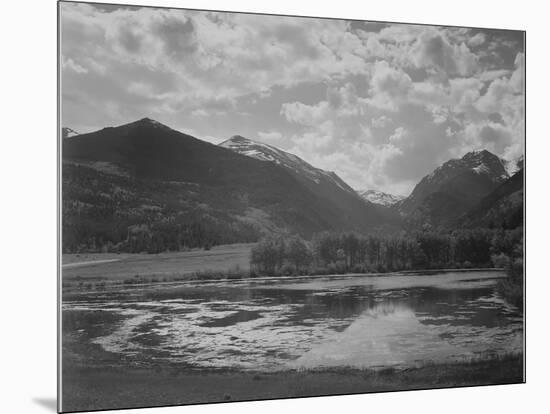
(28, 236)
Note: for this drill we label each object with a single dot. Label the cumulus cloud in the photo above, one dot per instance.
(70, 65)
(379, 104)
(389, 86)
(433, 50)
(477, 40)
(381, 122)
(399, 136)
(302, 114)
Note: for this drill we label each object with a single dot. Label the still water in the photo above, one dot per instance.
(359, 321)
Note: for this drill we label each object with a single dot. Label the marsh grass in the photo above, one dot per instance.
(100, 387)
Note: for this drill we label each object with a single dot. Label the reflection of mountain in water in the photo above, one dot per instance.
(354, 321)
(385, 335)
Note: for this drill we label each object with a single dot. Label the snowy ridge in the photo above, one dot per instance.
(480, 162)
(381, 198)
(270, 153)
(514, 165)
(67, 132)
(149, 122)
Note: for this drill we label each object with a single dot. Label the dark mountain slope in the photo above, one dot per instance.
(453, 188)
(502, 208)
(269, 153)
(198, 179)
(324, 184)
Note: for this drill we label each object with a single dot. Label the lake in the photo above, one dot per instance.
(370, 321)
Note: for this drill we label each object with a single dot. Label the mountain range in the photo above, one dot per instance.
(148, 175)
(144, 181)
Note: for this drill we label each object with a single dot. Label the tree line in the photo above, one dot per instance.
(109, 213)
(346, 252)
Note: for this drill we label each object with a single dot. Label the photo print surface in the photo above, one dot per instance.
(259, 206)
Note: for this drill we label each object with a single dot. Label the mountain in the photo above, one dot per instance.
(67, 132)
(324, 184)
(163, 186)
(501, 208)
(265, 152)
(381, 198)
(453, 188)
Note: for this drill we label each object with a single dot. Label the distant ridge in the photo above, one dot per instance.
(380, 197)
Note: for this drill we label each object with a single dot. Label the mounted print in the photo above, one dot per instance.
(258, 206)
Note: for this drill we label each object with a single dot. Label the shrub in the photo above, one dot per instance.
(288, 270)
(500, 260)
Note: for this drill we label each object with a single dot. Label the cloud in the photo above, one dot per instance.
(379, 104)
(389, 86)
(381, 122)
(477, 40)
(517, 80)
(433, 50)
(302, 114)
(399, 136)
(70, 65)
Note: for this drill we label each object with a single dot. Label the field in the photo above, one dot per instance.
(110, 266)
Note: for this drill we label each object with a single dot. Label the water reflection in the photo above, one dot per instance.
(359, 321)
(389, 334)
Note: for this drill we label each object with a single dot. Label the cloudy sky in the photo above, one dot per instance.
(379, 104)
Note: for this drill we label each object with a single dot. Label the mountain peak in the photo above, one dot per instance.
(235, 140)
(479, 155)
(482, 151)
(479, 161)
(145, 122)
(150, 121)
(270, 153)
(67, 132)
(473, 176)
(380, 197)
(239, 138)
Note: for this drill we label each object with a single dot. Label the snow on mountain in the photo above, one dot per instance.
(379, 197)
(481, 162)
(490, 168)
(68, 132)
(270, 153)
(513, 166)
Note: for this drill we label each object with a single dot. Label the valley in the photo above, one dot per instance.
(240, 271)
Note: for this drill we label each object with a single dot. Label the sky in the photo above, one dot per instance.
(380, 104)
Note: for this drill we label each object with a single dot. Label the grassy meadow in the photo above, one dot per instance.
(159, 267)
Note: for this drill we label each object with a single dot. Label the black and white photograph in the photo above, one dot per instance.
(260, 206)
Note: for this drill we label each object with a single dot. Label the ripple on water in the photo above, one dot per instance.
(360, 322)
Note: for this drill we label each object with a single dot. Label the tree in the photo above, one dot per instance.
(268, 255)
(297, 253)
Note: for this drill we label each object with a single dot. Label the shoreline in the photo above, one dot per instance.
(153, 280)
(94, 388)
